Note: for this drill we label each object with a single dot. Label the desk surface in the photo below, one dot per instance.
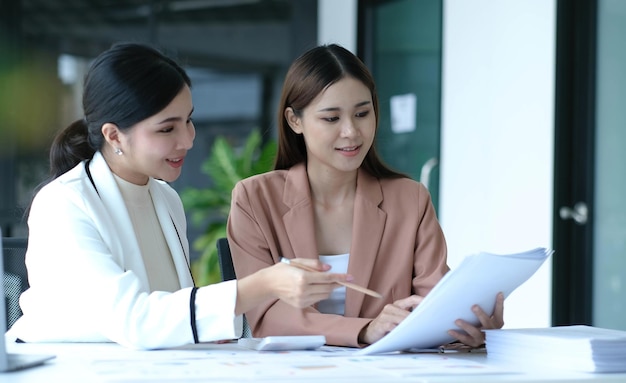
(110, 362)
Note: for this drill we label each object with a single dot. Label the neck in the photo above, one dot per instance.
(116, 164)
(332, 189)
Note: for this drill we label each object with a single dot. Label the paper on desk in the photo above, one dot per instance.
(578, 348)
(224, 363)
(476, 280)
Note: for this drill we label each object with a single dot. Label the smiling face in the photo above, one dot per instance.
(155, 147)
(338, 126)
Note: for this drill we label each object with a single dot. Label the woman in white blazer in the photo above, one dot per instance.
(108, 256)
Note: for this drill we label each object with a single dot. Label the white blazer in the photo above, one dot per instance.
(88, 281)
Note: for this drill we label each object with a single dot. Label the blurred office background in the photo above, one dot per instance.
(510, 111)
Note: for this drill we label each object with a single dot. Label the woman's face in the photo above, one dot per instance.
(156, 147)
(338, 126)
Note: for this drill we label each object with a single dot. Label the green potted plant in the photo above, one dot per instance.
(226, 165)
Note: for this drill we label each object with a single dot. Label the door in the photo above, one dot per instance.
(590, 184)
(401, 44)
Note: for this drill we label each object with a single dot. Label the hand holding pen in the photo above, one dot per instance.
(299, 286)
(346, 284)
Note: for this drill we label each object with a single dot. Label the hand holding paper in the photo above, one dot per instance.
(474, 335)
(476, 280)
(391, 316)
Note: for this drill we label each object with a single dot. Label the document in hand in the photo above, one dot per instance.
(476, 280)
(575, 348)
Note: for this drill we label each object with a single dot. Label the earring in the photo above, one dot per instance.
(118, 151)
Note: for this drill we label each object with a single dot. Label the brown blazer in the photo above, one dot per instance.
(398, 248)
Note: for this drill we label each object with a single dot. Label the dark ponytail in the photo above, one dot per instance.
(70, 146)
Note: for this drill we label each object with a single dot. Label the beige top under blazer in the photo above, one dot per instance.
(398, 247)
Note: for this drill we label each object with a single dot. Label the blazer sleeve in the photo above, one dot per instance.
(80, 290)
(430, 254)
(255, 242)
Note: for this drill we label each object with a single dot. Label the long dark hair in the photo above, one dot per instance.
(124, 85)
(307, 77)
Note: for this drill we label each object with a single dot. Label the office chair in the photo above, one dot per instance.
(15, 277)
(227, 271)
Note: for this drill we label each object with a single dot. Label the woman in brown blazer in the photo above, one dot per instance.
(331, 198)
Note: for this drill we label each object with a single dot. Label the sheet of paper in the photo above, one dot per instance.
(231, 365)
(580, 348)
(476, 280)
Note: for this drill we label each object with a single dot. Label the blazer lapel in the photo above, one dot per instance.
(124, 245)
(299, 220)
(173, 233)
(367, 231)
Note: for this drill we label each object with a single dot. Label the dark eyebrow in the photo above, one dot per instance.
(170, 119)
(362, 103)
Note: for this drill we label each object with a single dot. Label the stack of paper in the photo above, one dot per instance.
(575, 348)
(477, 280)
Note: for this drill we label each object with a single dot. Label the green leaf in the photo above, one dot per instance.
(225, 166)
(247, 158)
(265, 162)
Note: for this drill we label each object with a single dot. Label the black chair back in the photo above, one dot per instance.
(227, 271)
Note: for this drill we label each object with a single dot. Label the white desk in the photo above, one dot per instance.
(229, 363)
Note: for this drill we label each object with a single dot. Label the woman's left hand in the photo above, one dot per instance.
(473, 335)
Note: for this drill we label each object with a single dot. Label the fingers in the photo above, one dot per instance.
(313, 264)
(485, 320)
(389, 318)
(315, 268)
(302, 295)
(498, 311)
(474, 336)
(301, 288)
(409, 303)
(328, 278)
(496, 320)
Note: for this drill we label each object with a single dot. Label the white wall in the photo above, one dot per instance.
(497, 132)
(497, 138)
(337, 23)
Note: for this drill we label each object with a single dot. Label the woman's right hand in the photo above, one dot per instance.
(301, 288)
(388, 319)
(296, 287)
